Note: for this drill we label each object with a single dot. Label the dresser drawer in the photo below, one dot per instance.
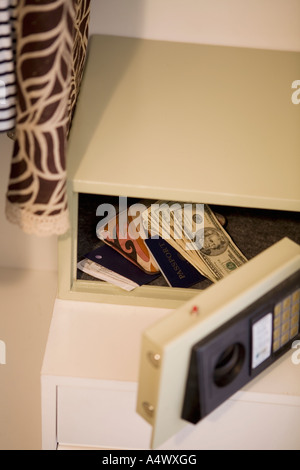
(105, 418)
(102, 416)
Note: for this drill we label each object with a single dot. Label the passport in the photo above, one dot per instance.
(177, 271)
(109, 258)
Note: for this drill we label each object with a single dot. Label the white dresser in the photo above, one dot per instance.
(170, 121)
(89, 389)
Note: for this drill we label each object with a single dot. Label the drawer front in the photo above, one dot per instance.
(94, 418)
(103, 417)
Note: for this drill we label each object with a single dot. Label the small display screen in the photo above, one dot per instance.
(262, 340)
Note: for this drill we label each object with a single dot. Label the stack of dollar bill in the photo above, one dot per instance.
(195, 232)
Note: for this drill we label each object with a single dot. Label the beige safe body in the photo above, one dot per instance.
(182, 122)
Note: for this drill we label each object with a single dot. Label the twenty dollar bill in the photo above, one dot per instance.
(195, 232)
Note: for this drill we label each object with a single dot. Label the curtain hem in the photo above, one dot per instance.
(36, 224)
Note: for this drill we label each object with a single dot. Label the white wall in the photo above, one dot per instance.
(16, 248)
(271, 24)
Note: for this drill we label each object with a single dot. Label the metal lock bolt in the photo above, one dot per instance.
(154, 358)
(148, 408)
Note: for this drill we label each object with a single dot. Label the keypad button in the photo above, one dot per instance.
(296, 296)
(294, 331)
(295, 309)
(286, 303)
(286, 315)
(276, 333)
(285, 338)
(285, 327)
(295, 319)
(277, 322)
(277, 310)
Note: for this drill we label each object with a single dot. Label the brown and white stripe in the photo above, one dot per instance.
(51, 46)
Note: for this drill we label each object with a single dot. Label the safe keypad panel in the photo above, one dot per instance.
(229, 357)
(286, 320)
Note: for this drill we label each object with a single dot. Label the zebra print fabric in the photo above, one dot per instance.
(7, 64)
(51, 46)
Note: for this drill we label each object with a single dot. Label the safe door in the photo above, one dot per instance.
(194, 359)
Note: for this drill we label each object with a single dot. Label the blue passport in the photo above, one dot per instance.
(111, 259)
(177, 271)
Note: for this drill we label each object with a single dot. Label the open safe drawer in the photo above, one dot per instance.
(196, 124)
(252, 231)
(151, 124)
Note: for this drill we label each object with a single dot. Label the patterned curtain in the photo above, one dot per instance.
(51, 42)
